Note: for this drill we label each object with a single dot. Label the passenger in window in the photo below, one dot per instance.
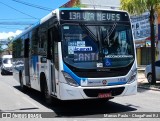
(113, 43)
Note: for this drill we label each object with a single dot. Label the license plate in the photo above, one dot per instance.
(104, 95)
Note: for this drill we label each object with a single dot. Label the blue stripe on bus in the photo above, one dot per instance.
(78, 79)
(34, 62)
(69, 9)
(75, 77)
(116, 83)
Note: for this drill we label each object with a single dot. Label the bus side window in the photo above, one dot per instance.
(56, 62)
(26, 48)
(53, 46)
(50, 44)
(56, 36)
(42, 33)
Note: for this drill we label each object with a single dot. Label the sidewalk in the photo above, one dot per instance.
(143, 83)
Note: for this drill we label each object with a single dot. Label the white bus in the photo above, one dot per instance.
(76, 53)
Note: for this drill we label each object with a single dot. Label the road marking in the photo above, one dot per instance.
(9, 87)
(17, 92)
(14, 90)
(26, 99)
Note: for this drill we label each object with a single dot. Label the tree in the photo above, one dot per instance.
(1, 49)
(9, 45)
(78, 4)
(74, 4)
(137, 7)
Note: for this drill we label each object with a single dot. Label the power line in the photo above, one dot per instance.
(33, 5)
(12, 27)
(18, 10)
(16, 23)
(14, 19)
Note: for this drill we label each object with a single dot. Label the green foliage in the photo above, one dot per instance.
(79, 6)
(75, 4)
(9, 45)
(139, 6)
(1, 49)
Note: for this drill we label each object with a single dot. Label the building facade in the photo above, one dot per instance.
(114, 4)
(141, 32)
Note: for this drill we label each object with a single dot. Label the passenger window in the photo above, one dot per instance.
(42, 40)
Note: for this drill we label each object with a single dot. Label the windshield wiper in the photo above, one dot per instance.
(89, 33)
(96, 38)
(106, 38)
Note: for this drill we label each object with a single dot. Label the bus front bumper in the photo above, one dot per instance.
(68, 92)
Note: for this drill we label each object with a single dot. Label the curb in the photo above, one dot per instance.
(149, 88)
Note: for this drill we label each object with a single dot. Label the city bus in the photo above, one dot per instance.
(76, 54)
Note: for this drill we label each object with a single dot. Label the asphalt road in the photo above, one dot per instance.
(13, 100)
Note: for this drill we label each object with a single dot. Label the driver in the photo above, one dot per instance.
(113, 43)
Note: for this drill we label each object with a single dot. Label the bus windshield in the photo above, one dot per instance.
(97, 46)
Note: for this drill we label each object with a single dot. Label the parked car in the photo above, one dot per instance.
(0, 62)
(148, 71)
(6, 67)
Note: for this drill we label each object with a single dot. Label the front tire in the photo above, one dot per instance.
(149, 77)
(45, 92)
(23, 87)
(48, 98)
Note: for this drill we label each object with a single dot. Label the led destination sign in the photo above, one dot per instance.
(85, 15)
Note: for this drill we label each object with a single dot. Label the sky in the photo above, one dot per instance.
(13, 12)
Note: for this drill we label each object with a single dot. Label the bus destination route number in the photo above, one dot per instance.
(94, 16)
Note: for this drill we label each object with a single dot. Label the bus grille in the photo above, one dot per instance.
(100, 74)
(95, 92)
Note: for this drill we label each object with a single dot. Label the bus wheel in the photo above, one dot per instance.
(45, 92)
(23, 87)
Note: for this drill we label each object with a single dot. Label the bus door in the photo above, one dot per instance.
(52, 56)
(26, 61)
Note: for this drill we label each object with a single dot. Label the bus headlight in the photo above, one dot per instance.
(70, 80)
(133, 76)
